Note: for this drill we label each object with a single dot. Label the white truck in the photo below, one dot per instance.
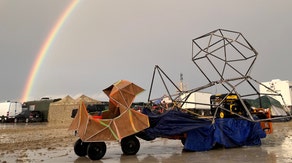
(8, 110)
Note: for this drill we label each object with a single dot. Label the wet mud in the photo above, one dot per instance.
(41, 142)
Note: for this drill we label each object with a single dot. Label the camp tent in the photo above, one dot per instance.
(87, 100)
(60, 111)
(269, 102)
(66, 100)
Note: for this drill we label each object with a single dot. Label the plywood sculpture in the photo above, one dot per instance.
(118, 122)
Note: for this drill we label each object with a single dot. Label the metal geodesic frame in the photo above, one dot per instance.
(230, 57)
(227, 48)
(227, 56)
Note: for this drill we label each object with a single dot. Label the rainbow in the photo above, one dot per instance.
(44, 49)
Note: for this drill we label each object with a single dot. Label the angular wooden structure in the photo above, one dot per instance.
(118, 122)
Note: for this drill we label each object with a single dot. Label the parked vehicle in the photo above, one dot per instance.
(94, 109)
(29, 116)
(8, 110)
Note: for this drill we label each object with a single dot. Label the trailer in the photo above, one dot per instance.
(195, 103)
(125, 125)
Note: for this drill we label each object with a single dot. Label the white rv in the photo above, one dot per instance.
(8, 110)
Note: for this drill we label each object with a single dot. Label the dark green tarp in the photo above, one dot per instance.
(268, 102)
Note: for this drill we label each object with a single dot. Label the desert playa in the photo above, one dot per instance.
(43, 142)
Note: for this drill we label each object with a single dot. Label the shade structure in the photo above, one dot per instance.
(118, 122)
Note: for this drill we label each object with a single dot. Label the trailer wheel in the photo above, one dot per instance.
(183, 141)
(80, 148)
(130, 145)
(96, 150)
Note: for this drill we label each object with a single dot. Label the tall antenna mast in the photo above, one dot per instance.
(181, 85)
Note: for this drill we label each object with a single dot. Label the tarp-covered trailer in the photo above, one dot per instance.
(123, 124)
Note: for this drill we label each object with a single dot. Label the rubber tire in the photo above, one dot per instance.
(96, 150)
(183, 141)
(80, 148)
(130, 145)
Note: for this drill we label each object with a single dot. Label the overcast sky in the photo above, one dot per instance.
(104, 41)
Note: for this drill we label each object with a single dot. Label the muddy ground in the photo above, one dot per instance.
(42, 142)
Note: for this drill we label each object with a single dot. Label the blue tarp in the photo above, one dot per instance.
(228, 132)
(201, 133)
(170, 123)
